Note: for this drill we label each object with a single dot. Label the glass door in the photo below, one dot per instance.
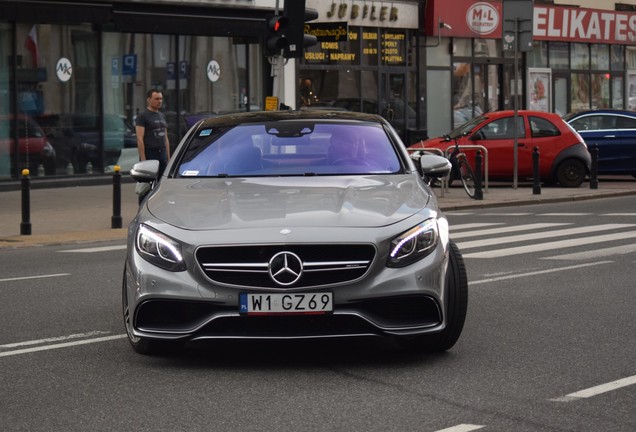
(394, 104)
(561, 86)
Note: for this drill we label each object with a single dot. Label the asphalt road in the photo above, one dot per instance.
(549, 345)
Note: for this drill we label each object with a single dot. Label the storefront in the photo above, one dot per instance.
(580, 59)
(73, 75)
(365, 60)
(467, 70)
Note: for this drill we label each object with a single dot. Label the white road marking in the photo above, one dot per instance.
(95, 249)
(564, 214)
(540, 235)
(535, 273)
(505, 214)
(462, 428)
(508, 229)
(34, 277)
(498, 253)
(618, 214)
(596, 253)
(597, 390)
(62, 345)
(54, 339)
(473, 225)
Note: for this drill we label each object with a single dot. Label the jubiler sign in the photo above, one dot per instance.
(584, 25)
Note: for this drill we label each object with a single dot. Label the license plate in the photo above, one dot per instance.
(299, 303)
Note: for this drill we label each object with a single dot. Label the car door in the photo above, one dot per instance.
(600, 130)
(497, 137)
(624, 153)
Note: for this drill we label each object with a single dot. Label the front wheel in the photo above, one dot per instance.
(456, 307)
(571, 173)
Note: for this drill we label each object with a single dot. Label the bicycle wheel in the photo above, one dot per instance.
(467, 176)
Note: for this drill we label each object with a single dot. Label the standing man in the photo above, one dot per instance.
(151, 127)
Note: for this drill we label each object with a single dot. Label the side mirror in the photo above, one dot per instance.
(434, 166)
(145, 171)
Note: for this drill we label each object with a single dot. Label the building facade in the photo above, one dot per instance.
(74, 74)
(579, 58)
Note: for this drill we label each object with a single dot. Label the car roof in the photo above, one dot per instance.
(506, 113)
(272, 116)
(607, 111)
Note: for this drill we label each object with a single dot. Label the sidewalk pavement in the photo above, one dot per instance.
(84, 213)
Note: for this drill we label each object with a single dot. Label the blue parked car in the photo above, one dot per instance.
(614, 132)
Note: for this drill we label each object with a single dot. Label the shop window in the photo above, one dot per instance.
(580, 91)
(538, 57)
(559, 55)
(618, 92)
(5, 98)
(600, 90)
(487, 47)
(599, 56)
(580, 56)
(617, 56)
(438, 97)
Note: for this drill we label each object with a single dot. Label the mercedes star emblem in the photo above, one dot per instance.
(285, 268)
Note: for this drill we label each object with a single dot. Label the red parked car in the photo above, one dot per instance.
(34, 147)
(563, 155)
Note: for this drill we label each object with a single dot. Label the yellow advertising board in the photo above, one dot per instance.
(271, 103)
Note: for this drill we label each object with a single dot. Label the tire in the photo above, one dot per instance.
(456, 308)
(571, 173)
(468, 177)
(141, 345)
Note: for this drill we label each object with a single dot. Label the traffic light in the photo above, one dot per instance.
(297, 15)
(276, 39)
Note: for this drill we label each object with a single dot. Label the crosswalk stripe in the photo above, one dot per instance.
(541, 235)
(564, 214)
(497, 253)
(595, 253)
(474, 225)
(502, 230)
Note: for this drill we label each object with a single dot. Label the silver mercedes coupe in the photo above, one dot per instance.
(292, 225)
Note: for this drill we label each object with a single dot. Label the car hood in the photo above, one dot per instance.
(233, 203)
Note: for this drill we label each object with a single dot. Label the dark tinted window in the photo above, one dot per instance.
(594, 122)
(625, 123)
(543, 128)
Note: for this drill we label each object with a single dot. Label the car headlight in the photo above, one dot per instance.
(159, 249)
(414, 244)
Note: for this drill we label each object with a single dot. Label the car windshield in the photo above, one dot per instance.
(466, 127)
(293, 148)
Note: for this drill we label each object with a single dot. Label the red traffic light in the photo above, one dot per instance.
(277, 24)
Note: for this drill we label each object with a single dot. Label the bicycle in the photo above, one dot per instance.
(461, 168)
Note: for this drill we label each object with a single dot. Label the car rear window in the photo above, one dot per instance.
(541, 127)
(289, 148)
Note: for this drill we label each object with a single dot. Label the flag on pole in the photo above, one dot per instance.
(31, 44)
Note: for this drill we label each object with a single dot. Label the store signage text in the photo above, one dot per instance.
(369, 12)
(482, 18)
(584, 25)
(331, 32)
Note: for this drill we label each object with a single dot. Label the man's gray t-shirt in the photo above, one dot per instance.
(155, 127)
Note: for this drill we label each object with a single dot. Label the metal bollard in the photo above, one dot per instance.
(594, 167)
(116, 219)
(25, 225)
(479, 192)
(536, 181)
